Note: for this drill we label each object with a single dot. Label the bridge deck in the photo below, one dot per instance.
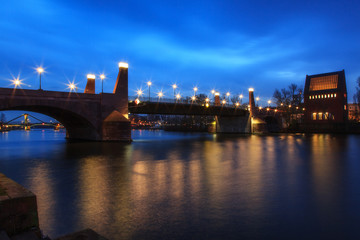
(184, 109)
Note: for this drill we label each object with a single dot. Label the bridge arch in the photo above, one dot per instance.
(76, 125)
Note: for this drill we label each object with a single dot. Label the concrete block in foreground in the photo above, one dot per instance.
(18, 208)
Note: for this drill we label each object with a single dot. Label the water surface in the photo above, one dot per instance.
(191, 186)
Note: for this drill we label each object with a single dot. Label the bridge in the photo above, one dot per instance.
(104, 116)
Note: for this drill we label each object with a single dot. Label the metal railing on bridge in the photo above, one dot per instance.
(187, 100)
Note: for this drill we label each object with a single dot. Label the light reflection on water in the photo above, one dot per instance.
(191, 186)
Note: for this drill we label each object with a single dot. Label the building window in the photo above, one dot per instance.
(328, 95)
(320, 116)
(334, 94)
(313, 116)
(324, 83)
(326, 116)
(345, 107)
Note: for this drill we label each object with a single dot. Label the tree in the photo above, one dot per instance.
(281, 97)
(292, 96)
(357, 93)
(356, 98)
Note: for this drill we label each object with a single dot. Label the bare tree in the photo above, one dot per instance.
(281, 97)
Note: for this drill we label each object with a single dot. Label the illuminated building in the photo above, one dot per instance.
(325, 99)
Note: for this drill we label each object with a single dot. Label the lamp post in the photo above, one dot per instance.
(269, 103)
(257, 101)
(228, 95)
(160, 95)
(72, 87)
(40, 70)
(16, 82)
(139, 93)
(241, 97)
(149, 85)
(102, 77)
(174, 87)
(178, 96)
(195, 89)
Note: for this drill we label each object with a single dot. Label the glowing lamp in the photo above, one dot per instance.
(217, 94)
(251, 89)
(17, 82)
(223, 101)
(213, 91)
(123, 65)
(207, 99)
(91, 76)
(195, 89)
(174, 86)
(241, 96)
(40, 70)
(102, 76)
(149, 83)
(193, 98)
(178, 96)
(227, 94)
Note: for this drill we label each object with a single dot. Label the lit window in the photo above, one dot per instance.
(328, 95)
(334, 94)
(320, 116)
(322, 96)
(313, 117)
(315, 96)
(309, 97)
(325, 96)
(326, 116)
(345, 107)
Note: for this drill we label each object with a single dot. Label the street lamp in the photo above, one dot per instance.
(102, 77)
(195, 89)
(269, 103)
(224, 102)
(139, 93)
(174, 87)
(213, 91)
(72, 87)
(149, 85)
(178, 96)
(16, 82)
(160, 95)
(193, 98)
(257, 101)
(228, 95)
(40, 70)
(241, 97)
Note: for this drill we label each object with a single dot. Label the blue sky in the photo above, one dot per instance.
(226, 45)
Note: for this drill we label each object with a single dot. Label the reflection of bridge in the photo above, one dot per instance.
(104, 117)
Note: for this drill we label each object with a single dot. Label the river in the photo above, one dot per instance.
(191, 186)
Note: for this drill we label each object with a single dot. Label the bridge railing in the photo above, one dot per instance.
(187, 100)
